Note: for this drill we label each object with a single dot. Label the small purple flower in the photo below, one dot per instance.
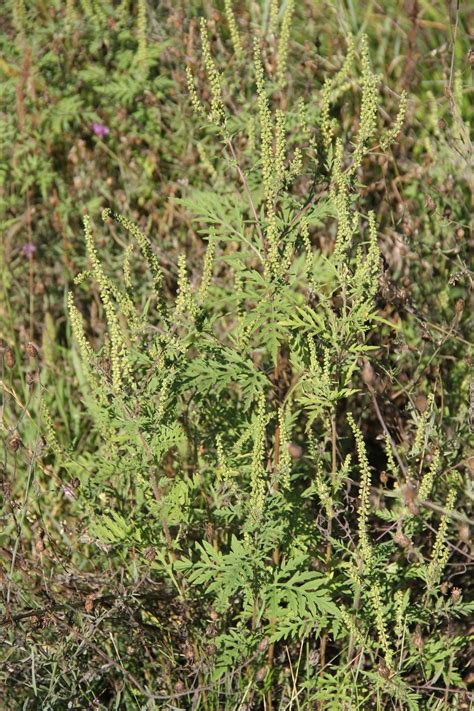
(28, 250)
(100, 129)
(68, 491)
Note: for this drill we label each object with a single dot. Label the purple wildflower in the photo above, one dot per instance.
(28, 250)
(68, 491)
(100, 129)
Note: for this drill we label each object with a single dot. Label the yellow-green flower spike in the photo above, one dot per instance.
(205, 162)
(285, 457)
(195, 102)
(224, 472)
(280, 146)
(369, 107)
(420, 436)
(266, 126)
(217, 114)
(144, 245)
(427, 481)
(380, 624)
(127, 278)
(142, 55)
(440, 552)
(184, 300)
(400, 603)
(323, 490)
(234, 32)
(85, 349)
(273, 21)
(258, 476)
(283, 42)
(364, 494)
(49, 429)
(207, 271)
(118, 354)
(391, 465)
(391, 135)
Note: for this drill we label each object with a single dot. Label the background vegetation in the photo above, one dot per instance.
(237, 413)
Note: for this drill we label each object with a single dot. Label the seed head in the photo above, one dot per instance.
(430, 204)
(459, 307)
(10, 359)
(32, 378)
(421, 402)
(150, 554)
(413, 508)
(368, 373)
(32, 350)
(455, 595)
(401, 539)
(417, 640)
(296, 452)
(89, 603)
(464, 533)
(384, 671)
(15, 443)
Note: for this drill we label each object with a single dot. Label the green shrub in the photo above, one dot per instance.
(226, 464)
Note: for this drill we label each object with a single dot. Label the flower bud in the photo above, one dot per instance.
(421, 402)
(10, 359)
(32, 350)
(15, 443)
(368, 373)
(417, 640)
(456, 594)
(295, 451)
(32, 378)
(430, 204)
(383, 670)
(401, 539)
(89, 603)
(459, 307)
(150, 553)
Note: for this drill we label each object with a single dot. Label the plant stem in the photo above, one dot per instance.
(276, 551)
(324, 638)
(249, 195)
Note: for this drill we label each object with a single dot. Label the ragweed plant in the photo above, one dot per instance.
(207, 412)
(203, 395)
